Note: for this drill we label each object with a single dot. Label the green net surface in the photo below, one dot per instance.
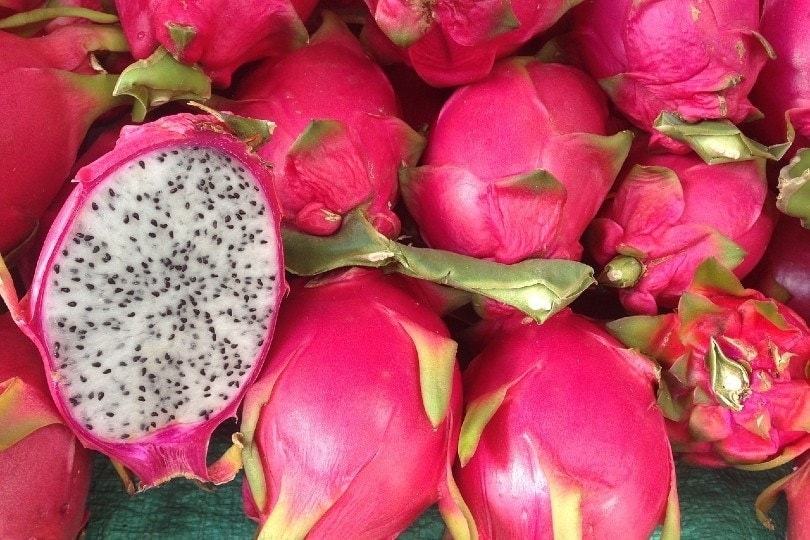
(715, 504)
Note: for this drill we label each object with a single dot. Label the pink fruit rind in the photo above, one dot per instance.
(796, 488)
(220, 36)
(175, 450)
(523, 468)
(338, 397)
(46, 472)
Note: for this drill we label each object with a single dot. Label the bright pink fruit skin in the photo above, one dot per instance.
(579, 419)
(782, 87)
(340, 441)
(46, 110)
(782, 273)
(673, 211)
(797, 491)
(10, 7)
(478, 192)
(339, 139)
(26, 263)
(696, 60)
(174, 450)
(46, 474)
(227, 35)
(722, 420)
(453, 43)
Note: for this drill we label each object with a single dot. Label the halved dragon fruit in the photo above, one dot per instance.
(45, 471)
(155, 295)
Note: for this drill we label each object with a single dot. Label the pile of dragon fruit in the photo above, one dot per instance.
(512, 259)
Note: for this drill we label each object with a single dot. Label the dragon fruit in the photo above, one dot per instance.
(508, 187)
(155, 295)
(735, 386)
(351, 429)
(339, 139)
(780, 91)
(8, 7)
(669, 213)
(782, 272)
(100, 140)
(452, 43)
(218, 35)
(697, 61)
(562, 437)
(43, 83)
(796, 487)
(45, 471)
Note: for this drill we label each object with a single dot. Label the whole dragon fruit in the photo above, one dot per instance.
(782, 272)
(339, 141)
(218, 35)
(45, 471)
(45, 82)
(155, 295)
(695, 60)
(669, 213)
(781, 91)
(735, 387)
(796, 488)
(562, 437)
(511, 186)
(452, 43)
(351, 429)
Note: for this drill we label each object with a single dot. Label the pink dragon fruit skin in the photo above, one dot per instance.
(782, 272)
(452, 43)
(562, 436)
(780, 92)
(669, 213)
(218, 35)
(339, 140)
(150, 396)
(735, 385)
(100, 140)
(351, 429)
(695, 60)
(42, 86)
(526, 184)
(46, 472)
(796, 488)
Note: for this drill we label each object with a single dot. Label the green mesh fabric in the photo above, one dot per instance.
(716, 504)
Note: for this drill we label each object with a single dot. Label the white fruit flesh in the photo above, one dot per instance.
(158, 298)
